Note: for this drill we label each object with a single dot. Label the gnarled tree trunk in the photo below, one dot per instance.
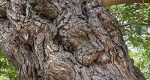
(64, 40)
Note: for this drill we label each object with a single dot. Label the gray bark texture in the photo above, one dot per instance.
(64, 40)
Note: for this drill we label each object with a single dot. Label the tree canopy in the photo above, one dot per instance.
(134, 21)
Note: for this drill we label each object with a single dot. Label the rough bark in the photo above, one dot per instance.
(64, 40)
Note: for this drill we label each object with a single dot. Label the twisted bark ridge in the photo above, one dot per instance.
(64, 40)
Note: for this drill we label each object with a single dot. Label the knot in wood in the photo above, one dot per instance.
(47, 9)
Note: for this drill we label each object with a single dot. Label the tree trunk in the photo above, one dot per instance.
(64, 40)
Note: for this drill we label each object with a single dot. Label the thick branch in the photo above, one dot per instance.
(115, 2)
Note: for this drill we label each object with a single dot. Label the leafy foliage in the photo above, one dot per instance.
(134, 22)
(7, 71)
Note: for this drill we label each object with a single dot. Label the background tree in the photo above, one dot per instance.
(7, 71)
(136, 31)
(73, 40)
